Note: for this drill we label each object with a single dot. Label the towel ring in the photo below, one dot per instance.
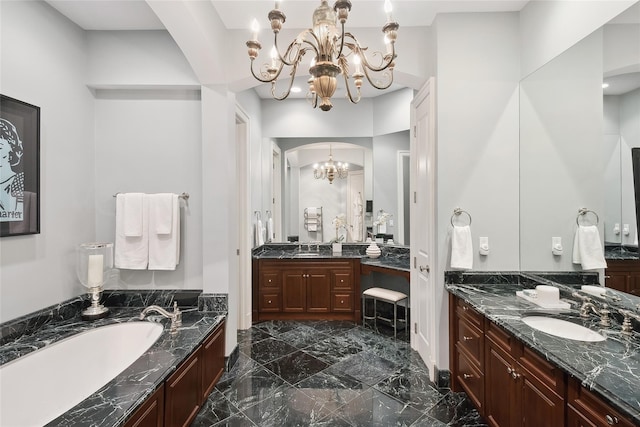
(458, 212)
(583, 212)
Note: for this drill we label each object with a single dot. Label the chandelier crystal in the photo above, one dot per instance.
(331, 49)
(331, 170)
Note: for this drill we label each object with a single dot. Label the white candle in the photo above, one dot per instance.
(388, 9)
(255, 27)
(95, 266)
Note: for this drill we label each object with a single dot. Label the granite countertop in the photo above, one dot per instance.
(393, 257)
(621, 252)
(610, 368)
(116, 401)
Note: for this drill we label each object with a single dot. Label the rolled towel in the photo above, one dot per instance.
(461, 248)
(587, 249)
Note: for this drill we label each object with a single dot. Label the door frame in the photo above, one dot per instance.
(401, 202)
(244, 244)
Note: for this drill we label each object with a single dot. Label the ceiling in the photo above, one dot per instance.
(238, 14)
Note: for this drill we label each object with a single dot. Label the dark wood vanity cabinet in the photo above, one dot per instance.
(305, 289)
(151, 413)
(178, 400)
(585, 409)
(623, 275)
(509, 383)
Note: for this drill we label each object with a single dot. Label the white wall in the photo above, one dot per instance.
(548, 28)
(150, 142)
(44, 64)
(561, 149)
(477, 151)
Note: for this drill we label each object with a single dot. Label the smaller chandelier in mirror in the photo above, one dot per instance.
(331, 170)
(334, 52)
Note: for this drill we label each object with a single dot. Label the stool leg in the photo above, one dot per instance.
(364, 313)
(375, 313)
(395, 320)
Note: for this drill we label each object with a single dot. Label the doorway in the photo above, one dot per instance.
(243, 252)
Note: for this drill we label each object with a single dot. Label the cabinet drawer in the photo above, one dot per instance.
(342, 280)
(471, 339)
(544, 373)
(342, 302)
(270, 280)
(471, 379)
(270, 302)
(502, 339)
(593, 408)
(465, 310)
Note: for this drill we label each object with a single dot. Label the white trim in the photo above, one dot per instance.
(276, 192)
(400, 220)
(243, 162)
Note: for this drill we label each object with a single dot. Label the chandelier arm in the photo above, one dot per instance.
(387, 74)
(341, 41)
(349, 96)
(289, 61)
(304, 39)
(260, 79)
(288, 92)
(365, 61)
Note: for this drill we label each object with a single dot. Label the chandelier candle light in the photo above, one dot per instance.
(331, 51)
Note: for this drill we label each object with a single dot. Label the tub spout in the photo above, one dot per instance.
(175, 316)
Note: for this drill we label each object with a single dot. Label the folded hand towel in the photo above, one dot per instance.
(259, 240)
(131, 252)
(164, 249)
(133, 214)
(587, 249)
(161, 208)
(270, 230)
(461, 248)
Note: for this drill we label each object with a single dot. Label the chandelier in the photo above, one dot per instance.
(331, 50)
(330, 170)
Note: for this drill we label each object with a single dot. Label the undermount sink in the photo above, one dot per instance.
(562, 328)
(307, 255)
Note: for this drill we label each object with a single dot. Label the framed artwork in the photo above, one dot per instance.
(19, 167)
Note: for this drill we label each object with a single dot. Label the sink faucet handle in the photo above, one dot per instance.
(177, 314)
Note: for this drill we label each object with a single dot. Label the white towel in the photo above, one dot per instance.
(312, 225)
(164, 249)
(131, 252)
(270, 235)
(461, 248)
(133, 214)
(312, 213)
(161, 206)
(259, 233)
(587, 249)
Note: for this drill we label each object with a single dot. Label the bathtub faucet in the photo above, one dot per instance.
(176, 316)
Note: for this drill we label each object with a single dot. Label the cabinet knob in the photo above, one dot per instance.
(465, 338)
(465, 308)
(269, 302)
(467, 376)
(341, 301)
(269, 280)
(341, 280)
(611, 420)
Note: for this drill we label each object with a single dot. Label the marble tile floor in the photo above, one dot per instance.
(328, 373)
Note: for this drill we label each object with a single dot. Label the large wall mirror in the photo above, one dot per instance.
(377, 183)
(570, 158)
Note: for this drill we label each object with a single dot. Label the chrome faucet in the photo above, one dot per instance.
(627, 327)
(175, 316)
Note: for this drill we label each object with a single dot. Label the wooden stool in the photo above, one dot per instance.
(386, 295)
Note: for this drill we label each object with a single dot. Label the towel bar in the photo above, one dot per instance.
(585, 211)
(184, 196)
(458, 212)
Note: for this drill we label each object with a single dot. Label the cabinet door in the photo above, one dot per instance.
(634, 284)
(270, 280)
(151, 413)
(576, 419)
(540, 406)
(212, 360)
(617, 281)
(293, 290)
(501, 392)
(318, 291)
(183, 392)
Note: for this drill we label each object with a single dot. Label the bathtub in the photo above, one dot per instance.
(39, 387)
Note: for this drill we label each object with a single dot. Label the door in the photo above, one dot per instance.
(423, 224)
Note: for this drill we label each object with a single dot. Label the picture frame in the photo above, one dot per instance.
(19, 167)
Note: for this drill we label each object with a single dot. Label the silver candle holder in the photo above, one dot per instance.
(93, 262)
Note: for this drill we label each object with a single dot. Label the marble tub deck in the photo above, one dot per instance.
(321, 373)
